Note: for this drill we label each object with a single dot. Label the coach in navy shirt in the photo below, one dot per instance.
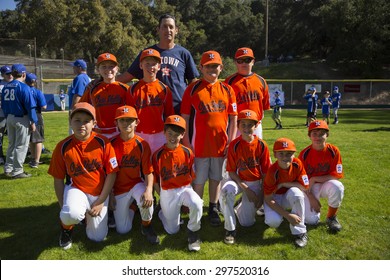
(19, 108)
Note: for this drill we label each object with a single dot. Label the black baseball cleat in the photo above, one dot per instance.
(333, 224)
(66, 238)
(151, 236)
(193, 241)
(214, 218)
(230, 237)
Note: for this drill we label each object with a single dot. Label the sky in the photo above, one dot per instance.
(7, 5)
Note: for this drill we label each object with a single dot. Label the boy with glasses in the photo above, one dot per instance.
(251, 89)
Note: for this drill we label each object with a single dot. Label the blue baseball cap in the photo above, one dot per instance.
(5, 69)
(335, 88)
(30, 77)
(312, 88)
(80, 63)
(19, 68)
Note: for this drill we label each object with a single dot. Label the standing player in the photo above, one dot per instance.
(87, 161)
(134, 180)
(284, 187)
(106, 95)
(211, 105)
(277, 111)
(251, 89)
(178, 68)
(336, 100)
(38, 136)
(152, 101)
(326, 102)
(324, 167)
(247, 163)
(173, 165)
(19, 108)
(6, 73)
(76, 90)
(312, 104)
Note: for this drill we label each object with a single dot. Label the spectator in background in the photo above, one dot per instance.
(178, 68)
(6, 73)
(19, 108)
(62, 99)
(78, 85)
(37, 136)
(336, 98)
(312, 104)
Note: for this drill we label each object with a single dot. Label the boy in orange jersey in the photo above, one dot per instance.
(212, 105)
(250, 88)
(174, 172)
(106, 95)
(88, 162)
(134, 180)
(284, 187)
(247, 163)
(152, 100)
(324, 167)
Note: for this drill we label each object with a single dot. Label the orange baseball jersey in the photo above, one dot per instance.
(106, 98)
(249, 160)
(251, 92)
(173, 168)
(153, 103)
(277, 175)
(210, 105)
(134, 158)
(325, 162)
(84, 163)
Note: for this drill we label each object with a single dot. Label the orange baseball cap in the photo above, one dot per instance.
(126, 112)
(150, 53)
(176, 120)
(83, 107)
(247, 115)
(106, 57)
(210, 57)
(284, 144)
(318, 125)
(244, 52)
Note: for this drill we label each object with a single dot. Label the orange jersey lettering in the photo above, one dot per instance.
(251, 92)
(173, 168)
(134, 158)
(210, 105)
(277, 175)
(106, 98)
(153, 103)
(320, 163)
(84, 163)
(249, 160)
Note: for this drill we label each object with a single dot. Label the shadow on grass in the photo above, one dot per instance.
(27, 232)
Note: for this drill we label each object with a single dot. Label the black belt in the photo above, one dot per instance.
(18, 116)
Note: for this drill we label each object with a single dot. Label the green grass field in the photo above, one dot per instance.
(29, 224)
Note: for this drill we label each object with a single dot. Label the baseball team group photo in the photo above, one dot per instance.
(172, 149)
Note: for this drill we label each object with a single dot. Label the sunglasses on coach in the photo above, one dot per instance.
(246, 60)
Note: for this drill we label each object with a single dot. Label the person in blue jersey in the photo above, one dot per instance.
(6, 74)
(326, 103)
(178, 68)
(78, 85)
(277, 111)
(38, 136)
(19, 108)
(336, 98)
(312, 104)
